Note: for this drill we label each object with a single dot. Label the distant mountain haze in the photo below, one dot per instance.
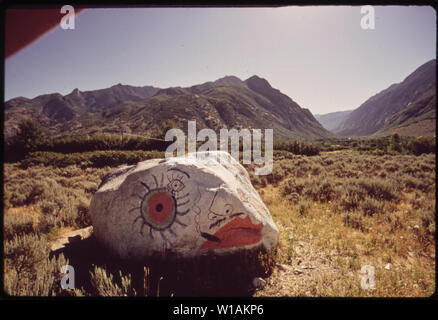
(400, 105)
(332, 120)
(225, 103)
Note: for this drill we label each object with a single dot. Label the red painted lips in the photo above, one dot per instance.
(236, 233)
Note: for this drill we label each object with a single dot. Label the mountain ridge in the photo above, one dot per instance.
(227, 102)
(376, 112)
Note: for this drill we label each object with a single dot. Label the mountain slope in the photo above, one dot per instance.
(332, 120)
(417, 119)
(225, 103)
(53, 111)
(377, 112)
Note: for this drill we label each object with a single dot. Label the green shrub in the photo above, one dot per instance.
(293, 185)
(30, 139)
(106, 286)
(303, 207)
(24, 253)
(298, 147)
(349, 201)
(354, 219)
(83, 217)
(395, 220)
(397, 144)
(322, 191)
(97, 159)
(88, 186)
(409, 182)
(371, 206)
(377, 188)
(278, 173)
(390, 166)
(317, 169)
(282, 154)
(427, 220)
(422, 145)
(293, 197)
(23, 193)
(31, 272)
(17, 224)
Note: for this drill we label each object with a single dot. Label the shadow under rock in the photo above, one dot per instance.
(204, 276)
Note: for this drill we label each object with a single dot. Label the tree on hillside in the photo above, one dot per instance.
(160, 131)
(29, 137)
(396, 142)
(421, 145)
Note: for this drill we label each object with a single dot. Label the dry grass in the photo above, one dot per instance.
(336, 212)
(321, 253)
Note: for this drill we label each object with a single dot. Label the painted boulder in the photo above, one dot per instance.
(183, 205)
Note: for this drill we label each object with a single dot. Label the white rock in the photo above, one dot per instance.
(298, 271)
(182, 205)
(70, 237)
(388, 266)
(259, 283)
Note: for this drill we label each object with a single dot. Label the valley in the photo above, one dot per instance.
(348, 189)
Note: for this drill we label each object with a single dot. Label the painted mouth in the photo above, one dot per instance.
(238, 232)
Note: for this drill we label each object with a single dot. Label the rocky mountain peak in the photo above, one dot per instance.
(229, 79)
(76, 92)
(257, 82)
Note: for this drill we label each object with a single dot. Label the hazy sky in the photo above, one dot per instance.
(318, 56)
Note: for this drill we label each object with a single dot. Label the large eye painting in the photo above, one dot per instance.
(162, 203)
(158, 208)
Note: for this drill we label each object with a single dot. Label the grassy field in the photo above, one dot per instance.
(340, 211)
(336, 212)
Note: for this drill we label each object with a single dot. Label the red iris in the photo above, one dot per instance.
(160, 208)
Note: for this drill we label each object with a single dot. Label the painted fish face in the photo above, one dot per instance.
(227, 224)
(173, 206)
(181, 206)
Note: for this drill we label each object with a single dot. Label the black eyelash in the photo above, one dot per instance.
(210, 237)
(180, 223)
(236, 214)
(183, 203)
(217, 222)
(183, 213)
(156, 181)
(130, 210)
(146, 186)
(182, 197)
